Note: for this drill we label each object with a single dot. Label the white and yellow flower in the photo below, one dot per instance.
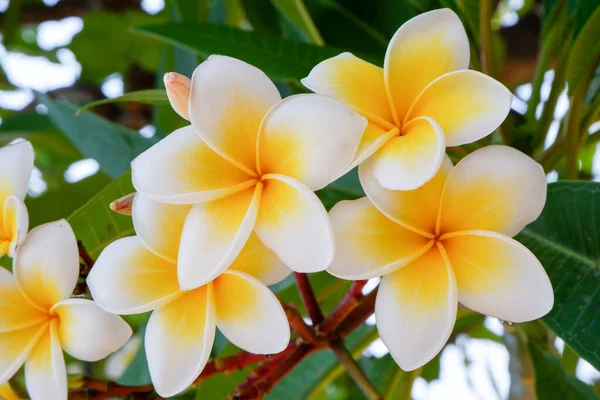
(139, 274)
(16, 164)
(38, 320)
(250, 162)
(446, 242)
(423, 99)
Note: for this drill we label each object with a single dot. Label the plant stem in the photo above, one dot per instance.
(298, 325)
(359, 377)
(344, 308)
(308, 298)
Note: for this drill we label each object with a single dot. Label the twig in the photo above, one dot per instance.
(298, 325)
(83, 254)
(308, 298)
(359, 377)
(344, 308)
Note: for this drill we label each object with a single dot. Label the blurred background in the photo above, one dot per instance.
(56, 55)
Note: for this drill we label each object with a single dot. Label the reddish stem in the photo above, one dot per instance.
(298, 325)
(308, 298)
(350, 301)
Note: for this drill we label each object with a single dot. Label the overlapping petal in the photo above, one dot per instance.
(15, 310)
(416, 310)
(249, 314)
(498, 276)
(354, 82)
(179, 338)
(214, 234)
(159, 225)
(128, 278)
(368, 244)
(16, 164)
(294, 224)
(182, 169)
(310, 138)
(15, 347)
(415, 209)
(496, 188)
(373, 139)
(259, 261)
(407, 162)
(228, 100)
(87, 332)
(46, 267)
(45, 369)
(468, 105)
(15, 223)
(424, 48)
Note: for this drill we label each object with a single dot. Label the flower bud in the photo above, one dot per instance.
(178, 91)
(123, 205)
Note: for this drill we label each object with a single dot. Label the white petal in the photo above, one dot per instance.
(179, 338)
(496, 188)
(45, 369)
(228, 100)
(369, 244)
(214, 234)
(294, 224)
(249, 314)
(47, 264)
(87, 332)
(182, 169)
(159, 225)
(15, 221)
(16, 164)
(16, 311)
(416, 310)
(15, 347)
(498, 276)
(311, 138)
(128, 278)
(409, 161)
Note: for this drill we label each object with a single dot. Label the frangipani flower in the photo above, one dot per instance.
(446, 242)
(38, 320)
(16, 164)
(136, 274)
(250, 161)
(423, 99)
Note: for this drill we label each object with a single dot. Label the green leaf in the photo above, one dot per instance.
(585, 53)
(95, 225)
(137, 373)
(278, 58)
(345, 188)
(113, 146)
(295, 12)
(149, 96)
(566, 239)
(551, 380)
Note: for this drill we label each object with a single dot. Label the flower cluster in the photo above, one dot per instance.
(226, 206)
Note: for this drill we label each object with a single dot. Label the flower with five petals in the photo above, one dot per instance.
(16, 164)
(38, 320)
(136, 274)
(250, 162)
(446, 242)
(423, 99)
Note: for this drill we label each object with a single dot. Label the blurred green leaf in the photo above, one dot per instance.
(113, 146)
(278, 58)
(585, 53)
(566, 239)
(345, 188)
(551, 380)
(95, 225)
(148, 96)
(137, 372)
(295, 12)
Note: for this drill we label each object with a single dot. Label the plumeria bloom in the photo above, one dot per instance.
(250, 162)
(137, 274)
(38, 320)
(16, 164)
(446, 242)
(423, 99)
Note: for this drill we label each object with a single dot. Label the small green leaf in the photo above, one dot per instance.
(95, 225)
(585, 53)
(278, 58)
(149, 96)
(551, 380)
(113, 146)
(566, 239)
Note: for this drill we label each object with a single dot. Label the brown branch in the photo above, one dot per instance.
(298, 325)
(308, 298)
(344, 308)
